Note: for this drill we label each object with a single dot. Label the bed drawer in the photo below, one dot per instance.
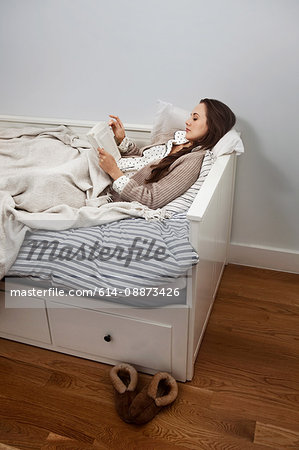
(111, 336)
(28, 323)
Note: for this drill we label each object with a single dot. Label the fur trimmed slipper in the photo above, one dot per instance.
(161, 391)
(124, 380)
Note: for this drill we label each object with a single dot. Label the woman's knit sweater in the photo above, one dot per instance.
(182, 173)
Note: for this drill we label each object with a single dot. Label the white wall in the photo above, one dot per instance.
(83, 59)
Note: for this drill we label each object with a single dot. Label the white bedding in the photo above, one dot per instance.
(50, 179)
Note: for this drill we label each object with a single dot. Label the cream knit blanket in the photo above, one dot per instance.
(50, 179)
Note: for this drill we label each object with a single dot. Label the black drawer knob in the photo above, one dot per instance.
(107, 338)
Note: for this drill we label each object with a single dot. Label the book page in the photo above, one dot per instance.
(102, 136)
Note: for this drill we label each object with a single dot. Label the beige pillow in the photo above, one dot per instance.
(168, 119)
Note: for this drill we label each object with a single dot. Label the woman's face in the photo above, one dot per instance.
(196, 124)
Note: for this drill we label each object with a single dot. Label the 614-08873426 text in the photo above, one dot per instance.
(142, 292)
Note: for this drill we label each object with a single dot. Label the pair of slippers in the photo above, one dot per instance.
(140, 407)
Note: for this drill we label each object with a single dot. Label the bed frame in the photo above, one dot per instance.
(152, 339)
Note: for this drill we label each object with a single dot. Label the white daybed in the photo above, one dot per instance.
(152, 339)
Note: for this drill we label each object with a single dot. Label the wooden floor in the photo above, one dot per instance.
(244, 395)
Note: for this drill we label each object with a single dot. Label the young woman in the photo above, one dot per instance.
(164, 172)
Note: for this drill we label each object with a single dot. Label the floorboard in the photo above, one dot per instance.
(244, 394)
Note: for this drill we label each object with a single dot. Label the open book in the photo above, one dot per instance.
(101, 135)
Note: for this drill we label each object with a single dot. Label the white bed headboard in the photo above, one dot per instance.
(140, 133)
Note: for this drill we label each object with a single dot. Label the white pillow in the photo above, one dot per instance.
(168, 119)
(229, 143)
(183, 203)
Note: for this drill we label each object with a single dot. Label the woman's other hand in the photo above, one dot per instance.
(117, 128)
(108, 164)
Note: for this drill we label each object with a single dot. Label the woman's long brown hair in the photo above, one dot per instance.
(220, 119)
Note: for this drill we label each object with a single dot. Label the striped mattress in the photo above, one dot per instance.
(127, 254)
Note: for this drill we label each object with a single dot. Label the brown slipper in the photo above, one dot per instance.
(162, 391)
(124, 380)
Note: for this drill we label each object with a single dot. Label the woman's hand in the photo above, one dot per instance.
(117, 128)
(108, 164)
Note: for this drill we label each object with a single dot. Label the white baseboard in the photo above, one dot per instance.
(264, 257)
